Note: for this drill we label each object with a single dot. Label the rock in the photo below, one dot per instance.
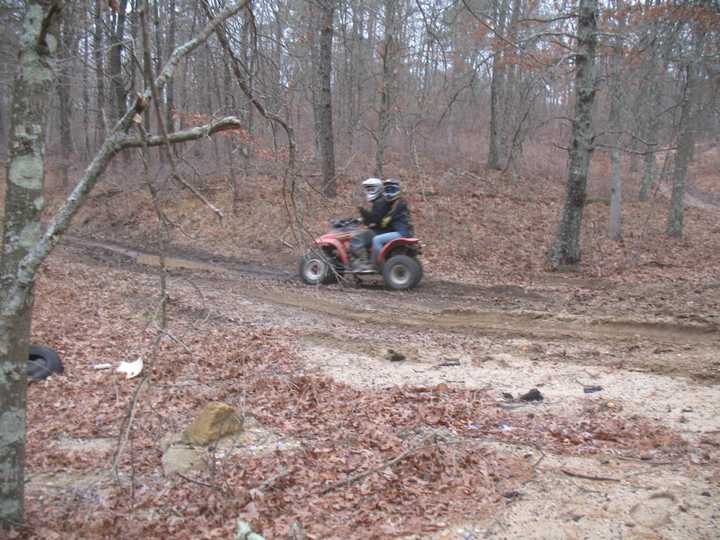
(181, 459)
(244, 532)
(656, 511)
(215, 421)
(243, 529)
(394, 356)
(532, 395)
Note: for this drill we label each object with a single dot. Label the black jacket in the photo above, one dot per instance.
(371, 218)
(398, 219)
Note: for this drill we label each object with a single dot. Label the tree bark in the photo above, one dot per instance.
(170, 90)
(86, 94)
(387, 93)
(652, 99)
(100, 127)
(616, 103)
(326, 138)
(497, 89)
(25, 178)
(115, 63)
(66, 53)
(565, 251)
(687, 128)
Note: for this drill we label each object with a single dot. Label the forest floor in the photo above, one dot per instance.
(348, 442)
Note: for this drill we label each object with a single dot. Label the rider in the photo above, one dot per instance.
(397, 220)
(361, 241)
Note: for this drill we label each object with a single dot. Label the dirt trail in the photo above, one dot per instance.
(462, 320)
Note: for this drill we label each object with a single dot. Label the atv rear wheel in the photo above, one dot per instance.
(401, 272)
(316, 268)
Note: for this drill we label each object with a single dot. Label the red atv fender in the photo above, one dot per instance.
(335, 241)
(393, 244)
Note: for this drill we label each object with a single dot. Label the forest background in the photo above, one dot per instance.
(589, 130)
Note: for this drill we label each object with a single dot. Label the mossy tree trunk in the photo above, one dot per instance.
(326, 136)
(496, 151)
(389, 58)
(615, 123)
(565, 251)
(686, 134)
(25, 175)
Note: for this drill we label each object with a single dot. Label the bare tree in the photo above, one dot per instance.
(23, 204)
(687, 129)
(616, 92)
(565, 251)
(388, 90)
(98, 44)
(66, 52)
(115, 61)
(323, 102)
(497, 90)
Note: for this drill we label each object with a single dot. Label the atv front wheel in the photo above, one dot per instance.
(315, 269)
(401, 272)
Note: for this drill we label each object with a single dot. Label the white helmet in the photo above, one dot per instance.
(373, 188)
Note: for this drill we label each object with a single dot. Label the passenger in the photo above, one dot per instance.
(397, 220)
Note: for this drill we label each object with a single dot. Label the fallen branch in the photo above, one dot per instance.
(589, 477)
(201, 483)
(228, 123)
(361, 476)
(260, 490)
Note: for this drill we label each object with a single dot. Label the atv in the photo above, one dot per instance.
(330, 259)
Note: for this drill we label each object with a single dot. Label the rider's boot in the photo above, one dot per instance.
(360, 263)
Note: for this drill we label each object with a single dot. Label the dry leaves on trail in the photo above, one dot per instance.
(370, 464)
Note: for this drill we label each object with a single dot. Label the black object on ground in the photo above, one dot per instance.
(532, 395)
(42, 362)
(395, 356)
(591, 389)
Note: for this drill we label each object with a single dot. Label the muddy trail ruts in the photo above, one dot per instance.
(510, 311)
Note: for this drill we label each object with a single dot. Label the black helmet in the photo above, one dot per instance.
(391, 189)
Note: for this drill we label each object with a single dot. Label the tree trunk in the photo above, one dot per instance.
(565, 251)
(387, 93)
(2, 123)
(650, 102)
(614, 121)
(115, 63)
(66, 54)
(86, 93)
(324, 104)
(22, 229)
(100, 128)
(497, 89)
(686, 135)
(170, 89)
